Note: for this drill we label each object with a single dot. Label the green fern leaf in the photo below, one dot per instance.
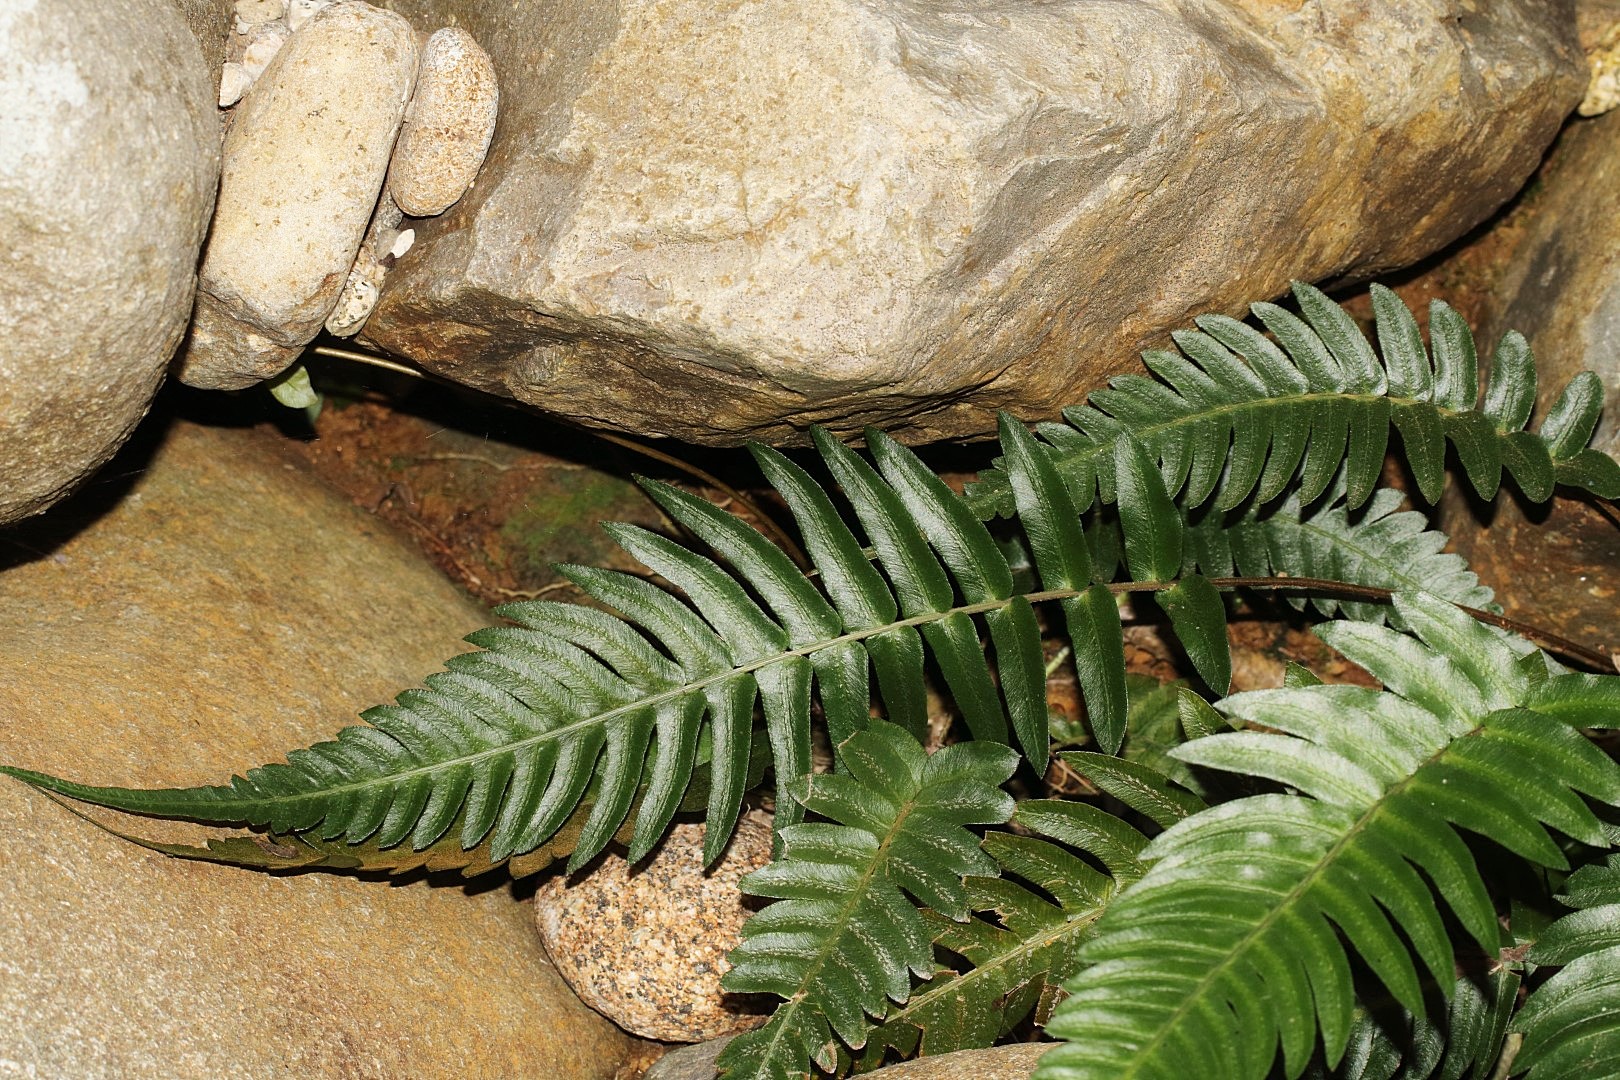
(1233, 400)
(1229, 946)
(1571, 1024)
(1380, 545)
(842, 939)
(576, 707)
(1389, 1043)
(1021, 957)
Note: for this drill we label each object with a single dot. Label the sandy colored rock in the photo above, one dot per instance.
(725, 221)
(196, 613)
(646, 947)
(109, 153)
(1014, 1062)
(304, 161)
(447, 127)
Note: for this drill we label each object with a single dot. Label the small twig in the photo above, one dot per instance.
(370, 359)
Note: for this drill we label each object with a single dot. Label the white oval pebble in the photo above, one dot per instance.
(305, 160)
(449, 125)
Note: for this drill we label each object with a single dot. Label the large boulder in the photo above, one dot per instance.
(109, 155)
(724, 221)
(224, 609)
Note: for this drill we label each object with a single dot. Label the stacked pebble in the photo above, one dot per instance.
(342, 120)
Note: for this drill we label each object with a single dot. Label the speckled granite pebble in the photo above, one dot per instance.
(646, 947)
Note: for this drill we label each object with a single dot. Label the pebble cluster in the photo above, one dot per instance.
(342, 121)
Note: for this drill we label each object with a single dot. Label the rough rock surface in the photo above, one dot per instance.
(226, 609)
(109, 153)
(1559, 567)
(719, 221)
(695, 1062)
(304, 161)
(448, 125)
(1013, 1062)
(647, 946)
(1562, 288)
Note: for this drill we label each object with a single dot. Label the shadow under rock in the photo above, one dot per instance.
(41, 536)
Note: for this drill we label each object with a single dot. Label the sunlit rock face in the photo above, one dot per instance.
(729, 221)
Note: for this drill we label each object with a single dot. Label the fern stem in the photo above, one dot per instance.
(1544, 638)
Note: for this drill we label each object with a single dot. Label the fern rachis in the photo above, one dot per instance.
(578, 726)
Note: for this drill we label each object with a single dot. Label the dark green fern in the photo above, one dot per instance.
(1236, 415)
(1204, 952)
(1023, 945)
(1571, 1024)
(842, 941)
(1229, 949)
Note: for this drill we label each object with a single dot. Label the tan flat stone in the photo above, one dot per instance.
(227, 608)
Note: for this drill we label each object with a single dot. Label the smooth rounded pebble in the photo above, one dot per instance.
(305, 159)
(646, 946)
(448, 126)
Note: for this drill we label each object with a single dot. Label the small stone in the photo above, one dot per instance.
(646, 946)
(403, 243)
(234, 81)
(304, 161)
(301, 11)
(264, 41)
(1015, 1061)
(448, 126)
(257, 12)
(359, 295)
(694, 1062)
(1603, 89)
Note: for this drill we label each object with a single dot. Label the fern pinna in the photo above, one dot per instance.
(574, 726)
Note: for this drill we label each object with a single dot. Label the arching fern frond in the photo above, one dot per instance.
(842, 939)
(1023, 947)
(1229, 946)
(1379, 545)
(576, 706)
(1235, 414)
(1571, 1024)
(1464, 1038)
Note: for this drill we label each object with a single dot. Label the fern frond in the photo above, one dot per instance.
(1571, 1024)
(842, 940)
(1466, 1040)
(1229, 946)
(1019, 960)
(576, 706)
(1235, 414)
(1380, 545)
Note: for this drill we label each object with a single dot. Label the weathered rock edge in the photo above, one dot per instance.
(727, 223)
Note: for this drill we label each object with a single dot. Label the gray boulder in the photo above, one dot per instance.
(716, 223)
(109, 156)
